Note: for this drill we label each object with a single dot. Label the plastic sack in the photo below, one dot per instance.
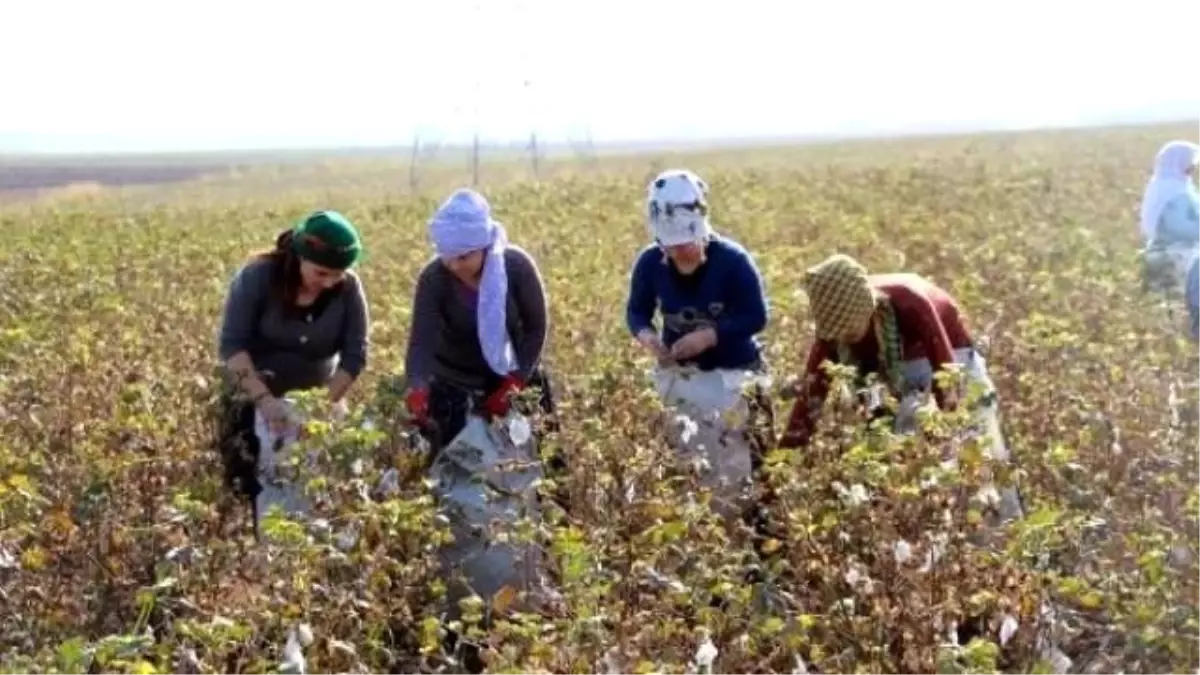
(277, 479)
(707, 423)
(979, 392)
(483, 479)
(1165, 268)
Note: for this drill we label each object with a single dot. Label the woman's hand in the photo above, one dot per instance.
(694, 343)
(650, 341)
(497, 404)
(338, 385)
(338, 411)
(275, 413)
(417, 402)
(950, 400)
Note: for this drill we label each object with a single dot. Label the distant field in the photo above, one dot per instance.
(111, 301)
(25, 178)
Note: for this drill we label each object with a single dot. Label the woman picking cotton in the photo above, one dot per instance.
(1170, 223)
(713, 304)
(479, 322)
(478, 330)
(902, 328)
(295, 318)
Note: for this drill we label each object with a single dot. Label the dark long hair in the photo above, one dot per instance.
(285, 268)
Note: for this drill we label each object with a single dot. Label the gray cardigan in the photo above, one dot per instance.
(443, 341)
(294, 350)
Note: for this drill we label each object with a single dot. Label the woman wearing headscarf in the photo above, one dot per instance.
(479, 321)
(711, 297)
(295, 318)
(900, 326)
(706, 285)
(1170, 211)
(1170, 225)
(478, 329)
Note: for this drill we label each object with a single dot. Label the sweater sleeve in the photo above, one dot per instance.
(423, 330)
(746, 313)
(530, 294)
(918, 311)
(642, 302)
(813, 389)
(243, 303)
(356, 332)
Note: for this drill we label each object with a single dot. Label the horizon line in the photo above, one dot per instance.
(916, 131)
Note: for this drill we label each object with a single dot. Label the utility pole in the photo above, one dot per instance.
(475, 158)
(528, 65)
(533, 149)
(412, 162)
(479, 21)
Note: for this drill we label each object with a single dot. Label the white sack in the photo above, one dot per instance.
(1166, 267)
(484, 478)
(918, 375)
(280, 483)
(708, 414)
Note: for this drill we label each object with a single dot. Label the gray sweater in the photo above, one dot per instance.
(443, 341)
(294, 350)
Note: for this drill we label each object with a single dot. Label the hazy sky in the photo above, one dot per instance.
(155, 74)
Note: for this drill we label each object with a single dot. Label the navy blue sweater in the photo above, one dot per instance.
(725, 293)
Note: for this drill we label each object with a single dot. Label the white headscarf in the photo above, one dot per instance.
(1168, 181)
(677, 208)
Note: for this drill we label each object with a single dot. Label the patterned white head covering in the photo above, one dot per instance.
(677, 208)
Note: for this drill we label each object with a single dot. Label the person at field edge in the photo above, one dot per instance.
(706, 286)
(1170, 209)
(1170, 224)
(295, 317)
(479, 322)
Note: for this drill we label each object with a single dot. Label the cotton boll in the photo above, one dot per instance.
(519, 430)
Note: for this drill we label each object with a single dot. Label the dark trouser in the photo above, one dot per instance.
(237, 444)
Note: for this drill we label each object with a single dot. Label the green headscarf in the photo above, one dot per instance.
(328, 239)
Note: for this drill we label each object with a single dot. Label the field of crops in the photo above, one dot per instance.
(119, 550)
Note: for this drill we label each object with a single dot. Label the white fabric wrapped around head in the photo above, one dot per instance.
(1170, 179)
(677, 208)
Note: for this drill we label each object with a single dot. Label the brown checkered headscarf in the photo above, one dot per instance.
(839, 296)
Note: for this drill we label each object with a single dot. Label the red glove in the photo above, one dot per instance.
(417, 401)
(497, 403)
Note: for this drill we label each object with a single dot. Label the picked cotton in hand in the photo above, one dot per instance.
(519, 430)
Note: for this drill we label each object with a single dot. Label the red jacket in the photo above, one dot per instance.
(930, 326)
